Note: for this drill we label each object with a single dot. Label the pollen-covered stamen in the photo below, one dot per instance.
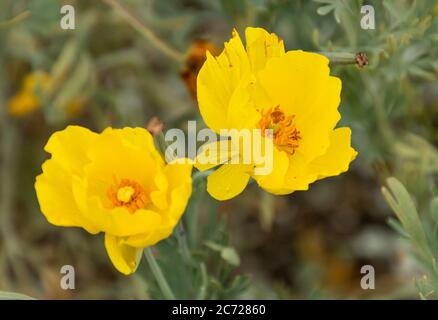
(284, 132)
(124, 194)
(129, 194)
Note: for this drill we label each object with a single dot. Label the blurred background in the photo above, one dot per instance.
(122, 66)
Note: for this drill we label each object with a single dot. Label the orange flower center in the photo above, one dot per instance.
(284, 132)
(129, 194)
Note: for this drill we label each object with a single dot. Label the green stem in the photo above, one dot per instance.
(200, 175)
(9, 140)
(342, 58)
(6, 295)
(149, 35)
(203, 289)
(158, 274)
(15, 20)
(162, 145)
(267, 210)
(182, 243)
(192, 213)
(383, 124)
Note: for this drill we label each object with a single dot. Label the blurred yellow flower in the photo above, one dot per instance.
(291, 93)
(35, 86)
(28, 99)
(114, 182)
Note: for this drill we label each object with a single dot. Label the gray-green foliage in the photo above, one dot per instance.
(422, 236)
(391, 105)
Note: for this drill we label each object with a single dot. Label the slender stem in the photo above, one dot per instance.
(335, 58)
(15, 20)
(145, 31)
(6, 295)
(192, 213)
(200, 175)
(203, 290)
(8, 144)
(182, 243)
(267, 210)
(8, 169)
(382, 122)
(340, 57)
(162, 145)
(158, 274)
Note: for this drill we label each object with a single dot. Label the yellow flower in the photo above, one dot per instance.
(34, 88)
(114, 182)
(28, 99)
(291, 93)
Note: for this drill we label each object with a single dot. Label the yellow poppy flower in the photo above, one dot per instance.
(114, 182)
(290, 93)
(29, 99)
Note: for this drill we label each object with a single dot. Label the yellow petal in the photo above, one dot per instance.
(338, 156)
(179, 176)
(218, 79)
(180, 186)
(335, 161)
(70, 147)
(275, 180)
(150, 239)
(23, 103)
(262, 46)
(127, 153)
(242, 112)
(299, 82)
(125, 258)
(159, 196)
(298, 176)
(54, 192)
(54, 186)
(215, 153)
(137, 141)
(119, 221)
(228, 181)
(38, 80)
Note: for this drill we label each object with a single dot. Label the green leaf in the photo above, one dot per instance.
(64, 63)
(434, 209)
(72, 88)
(214, 246)
(5, 295)
(230, 255)
(324, 10)
(401, 203)
(393, 223)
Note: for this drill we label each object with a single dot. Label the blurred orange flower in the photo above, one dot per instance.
(196, 57)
